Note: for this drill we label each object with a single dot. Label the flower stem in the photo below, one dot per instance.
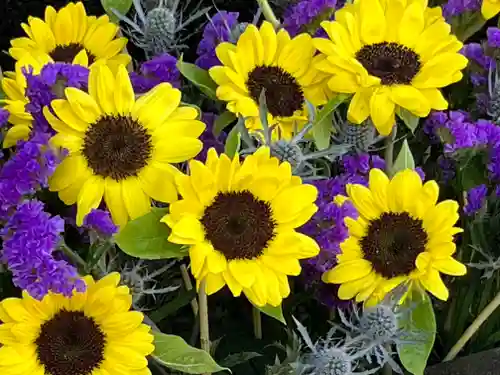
(73, 256)
(257, 323)
(389, 151)
(268, 13)
(473, 328)
(203, 310)
(189, 286)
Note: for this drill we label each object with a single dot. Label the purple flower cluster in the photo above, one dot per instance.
(100, 222)
(217, 30)
(25, 172)
(162, 68)
(4, 116)
(475, 199)
(209, 139)
(30, 238)
(493, 34)
(457, 7)
(304, 12)
(49, 85)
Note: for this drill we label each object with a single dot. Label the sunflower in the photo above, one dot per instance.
(490, 8)
(402, 235)
(70, 36)
(239, 219)
(121, 148)
(265, 60)
(392, 55)
(90, 333)
(14, 86)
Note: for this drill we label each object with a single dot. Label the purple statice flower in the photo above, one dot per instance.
(209, 139)
(162, 68)
(457, 7)
(447, 168)
(493, 34)
(475, 199)
(475, 52)
(100, 222)
(30, 238)
(4, 117)
(25, 172)
(218, 29)
(49, 85)
(304, 12)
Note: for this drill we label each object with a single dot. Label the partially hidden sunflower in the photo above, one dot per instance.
(239, 219)
(402, 235)
(490, 8)
(265, 60)
(119, 147)
(91, 333)
(69, 35)
(392, 55)
(14, 86)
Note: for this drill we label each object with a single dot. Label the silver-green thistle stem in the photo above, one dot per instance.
(389, 151)
(473, 328)
(257, 323)
(268, 13)
(203, 309)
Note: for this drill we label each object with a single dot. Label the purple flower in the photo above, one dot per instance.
(100, 222)
(49, 85)
(209, 139)
(299, 15)
(4, 117)
(30, 238)
(162, 68)
(475, 52)
(493, 37)
(457, 7)
(25, 172)
(476, 197)
(217, 30)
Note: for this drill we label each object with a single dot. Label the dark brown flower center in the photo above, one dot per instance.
(117, 147)
(283, 93)
(393, 63)
(393, 242)
(66, 53)
(239, 225)
(70, 343)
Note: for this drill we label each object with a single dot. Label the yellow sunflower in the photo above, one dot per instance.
(14, 86)
(119, 147)
(239, 219)
(70, 36)
(265, 60)
(390, 54)
(490, 8)
(402, 235)
(91, 333)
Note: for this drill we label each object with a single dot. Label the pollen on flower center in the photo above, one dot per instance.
(70, 343)
(66, 53)
(284, 95)
(239, 225)
(393, 242)
(393, 63)
(117, 147)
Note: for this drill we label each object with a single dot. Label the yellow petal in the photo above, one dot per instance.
(348, 271)
(15, 134)
(382, 110)
(198, 254)
(289, 203)
(450, 266)
(362, 199)
(124, 93)
(490, 8)
(269, 42)
(68, 171)
(359, 107)
(440, 71)
(63, 110)
(215, 282)
(90, 197)
(114, 201)
(372, 24)
(287, 265)
(177, 150)
(411, 99)
(243, 271)
(433, 283)
(435, 98)
(350, 289)
(189, 230)
(412, 24)
(154, 108)
(83, 105)
(216, 262)
(403, 190)
(136, 200)
(158, 184)
(102, 78)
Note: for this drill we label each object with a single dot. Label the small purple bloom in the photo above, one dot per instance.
(302, 13)
(4, 117)
(217, 30)
(475, 52)
(30, 238)
(162, 68)
(493, 37)
(476, 197)
(457, 7)
(100, 222)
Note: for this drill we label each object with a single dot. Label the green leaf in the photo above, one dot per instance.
(404, 159)
(222, 121)
(323, 127)
(173, 306)
(275, 312)
(467, 25)
(239, 358)
(120, 6)
(147, 238)
(420, 331)
(410, 120)
(233, 142)
(471, 168)
(173, 352)
(198, 77)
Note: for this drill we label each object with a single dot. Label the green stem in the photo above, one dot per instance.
(389, 151)
(473, 328)
(268, 13)
(203, 311)
(189, 286)
(73, 256)
(257, 323)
